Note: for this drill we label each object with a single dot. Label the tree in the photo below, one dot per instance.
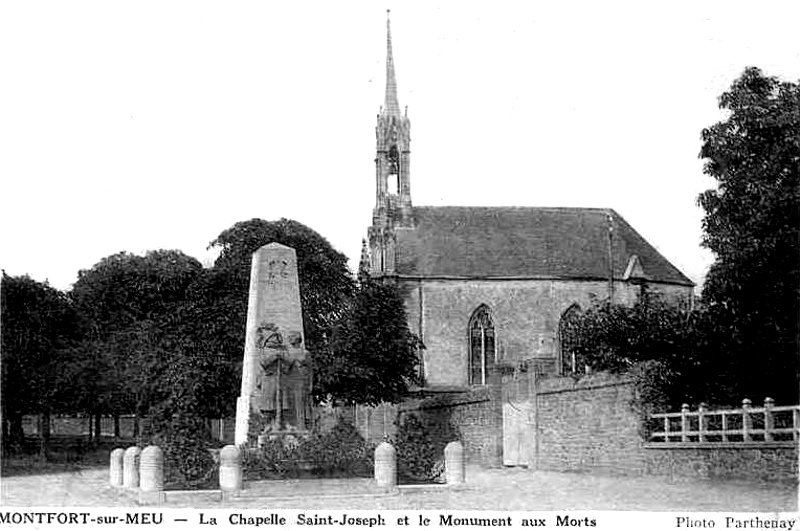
(125, 288)
(652, 339)
(326, 283)
(752, 224)
(38, 331)
(209, 328)
(372, 356)
(158, 344)
(128, 303)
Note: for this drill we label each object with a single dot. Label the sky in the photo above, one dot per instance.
(132, 126)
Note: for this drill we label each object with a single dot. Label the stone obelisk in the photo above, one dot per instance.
(273, 373)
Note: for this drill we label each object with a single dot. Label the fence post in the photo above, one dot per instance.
(684, 422)
(769, 421)
(796, 424)
(701, 421)
(724, 427)
(747, 422)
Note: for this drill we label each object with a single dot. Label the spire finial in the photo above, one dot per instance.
(390, 105)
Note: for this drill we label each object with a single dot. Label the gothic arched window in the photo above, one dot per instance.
(481, 345)
(566, 340)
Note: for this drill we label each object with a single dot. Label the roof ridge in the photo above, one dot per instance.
(512, 207)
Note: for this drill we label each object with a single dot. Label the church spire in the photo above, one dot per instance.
(390, 104)
(392, 166)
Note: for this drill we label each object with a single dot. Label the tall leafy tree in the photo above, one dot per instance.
(158, 333)
(38, 336)
(326, 282)
(128, 303)
(125, 288)
(209, 329)
(752, 224)
(372, 356)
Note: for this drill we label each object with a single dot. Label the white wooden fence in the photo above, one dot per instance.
(747, 424)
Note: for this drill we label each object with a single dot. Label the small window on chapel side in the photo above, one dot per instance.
(481, 346)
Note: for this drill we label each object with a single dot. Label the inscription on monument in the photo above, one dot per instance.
(277, 273)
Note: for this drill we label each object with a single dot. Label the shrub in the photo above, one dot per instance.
(188, 463)
(275, 459)
(442, 433)
(342, 452)
(416, 453)
(255, 427)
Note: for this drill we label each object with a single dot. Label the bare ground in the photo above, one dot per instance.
(488, 489)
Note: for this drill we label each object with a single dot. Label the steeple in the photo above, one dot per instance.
(393, 208)
(390, 104)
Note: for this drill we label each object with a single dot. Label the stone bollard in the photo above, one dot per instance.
(454, 463)
(151, 469)
(115, 467)
(230, 469)
(385, 465)
(151, 476)
(130, 467)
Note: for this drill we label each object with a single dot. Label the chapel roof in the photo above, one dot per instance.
(526, 242)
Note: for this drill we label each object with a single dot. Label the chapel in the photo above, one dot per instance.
(489, 286)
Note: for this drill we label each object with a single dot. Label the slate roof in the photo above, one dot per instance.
(525, 242)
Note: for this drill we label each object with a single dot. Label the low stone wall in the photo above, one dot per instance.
(589, 425)
(773, 462)
(581, 425)
(472, 416)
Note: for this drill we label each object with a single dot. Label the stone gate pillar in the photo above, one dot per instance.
(494, 455)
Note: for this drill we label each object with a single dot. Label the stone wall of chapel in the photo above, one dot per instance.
(525, 312)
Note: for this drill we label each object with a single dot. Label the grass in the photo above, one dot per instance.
(65, 454)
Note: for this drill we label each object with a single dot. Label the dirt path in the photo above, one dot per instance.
(497, 489)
